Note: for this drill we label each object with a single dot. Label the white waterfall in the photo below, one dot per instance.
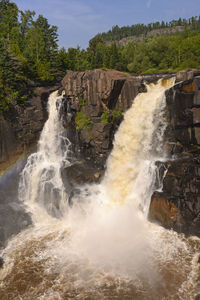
(131, 170)
(102, 247)
(41, 182)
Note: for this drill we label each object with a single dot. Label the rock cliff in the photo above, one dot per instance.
(21, 125)
(178, 205)
(20, 128)
(101, 93)
(100, 98)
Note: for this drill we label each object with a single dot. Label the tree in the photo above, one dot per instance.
(8, 17)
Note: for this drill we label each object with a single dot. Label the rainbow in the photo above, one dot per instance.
(14, 168)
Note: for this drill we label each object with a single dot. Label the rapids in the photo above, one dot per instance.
(103, 246)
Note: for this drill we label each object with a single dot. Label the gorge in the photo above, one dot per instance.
(100, 245)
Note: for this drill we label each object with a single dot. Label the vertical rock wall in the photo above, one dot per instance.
(21, 125)
(178, 206)
(95, 94)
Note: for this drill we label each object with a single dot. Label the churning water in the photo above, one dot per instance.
(101, 247)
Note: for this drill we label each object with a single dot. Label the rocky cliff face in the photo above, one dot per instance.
(19, 130)
(21, 125)
(178, 205)
(99, 93)
(97, 100)
(100, 98)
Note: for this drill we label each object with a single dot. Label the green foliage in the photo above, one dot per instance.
(117, 33)
(15, 95)
(116, 113)
(154, 54)
(82, 121)
(105, 117)
(110, 116)
(82, 101)
(29, 51)
(43, 71)
(4, 104)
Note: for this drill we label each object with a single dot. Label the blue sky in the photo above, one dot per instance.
(79, 20)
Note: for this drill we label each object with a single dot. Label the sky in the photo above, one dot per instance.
(80, 20)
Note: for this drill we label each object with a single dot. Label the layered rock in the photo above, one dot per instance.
(178, 205)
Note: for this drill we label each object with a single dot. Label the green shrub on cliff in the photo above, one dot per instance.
(82, 100)
(116, 113)
(4, 104)
(82, 121)
(110, 116)
(105, 117)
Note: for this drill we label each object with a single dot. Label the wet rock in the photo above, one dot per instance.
(81, 172)
(1, 262)
(178, 205)
(95, 93)
(13, 215)
(20, 127)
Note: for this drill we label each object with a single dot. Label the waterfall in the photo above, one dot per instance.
(41, 182)
(102, 246)
(131, 169)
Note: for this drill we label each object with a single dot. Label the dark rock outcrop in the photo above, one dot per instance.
(20, 127)
(178, 205)
(95, 93)
(1, 262)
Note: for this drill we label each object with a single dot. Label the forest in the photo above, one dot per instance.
(29, 51)
(117, 33)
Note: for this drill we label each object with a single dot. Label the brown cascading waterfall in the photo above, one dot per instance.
(103, 246)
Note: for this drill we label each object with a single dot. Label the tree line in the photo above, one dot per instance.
(117, 33)
(29, 52)
(163, 53)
